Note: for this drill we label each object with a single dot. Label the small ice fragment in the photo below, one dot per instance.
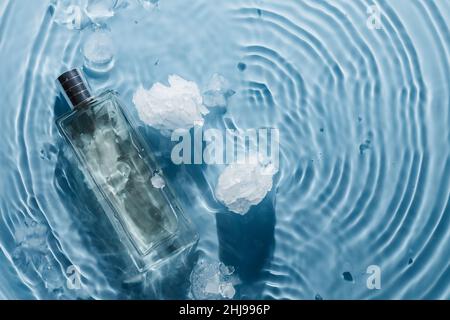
(149, 4)
(98, 51)
(213, 284)
(209, 282)
(226, 270)
(227, 290)
(100, 10)
(33, 236)
(70, 14)
(167, 108)
(241, 186)
(118, 179)
(157, 181)
(217, 92)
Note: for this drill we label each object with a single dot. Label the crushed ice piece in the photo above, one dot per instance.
(213, 284)
(167, 108)
(70, 14)
(226, 270)
(34, 260)
(217, 92)
(208, 281)
(227, 290)
(118, 179)
(158, 181)
(100, 10)
(32, 236)
(149, 4)
(241, 186)
(98, 51)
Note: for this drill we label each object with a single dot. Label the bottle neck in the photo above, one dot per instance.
(74, 87)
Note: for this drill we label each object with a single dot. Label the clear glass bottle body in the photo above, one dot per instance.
(120, 167)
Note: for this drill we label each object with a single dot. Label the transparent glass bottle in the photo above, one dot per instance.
(119, 165)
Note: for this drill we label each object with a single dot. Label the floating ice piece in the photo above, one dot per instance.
(33, 236)
(226, 270)
(100, 10)
(98, 51)
(158, 181)
(209, 281)
(70, 13)
(37, 264)
(149, 4)
(227, 290)
(213, 284)
(167, 108)
(241, 186)
(217, 92)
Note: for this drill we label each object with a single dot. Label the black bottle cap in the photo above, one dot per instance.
(74, 87)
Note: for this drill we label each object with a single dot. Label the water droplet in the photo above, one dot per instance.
(241, 66)
(347, 276)
(364, 146)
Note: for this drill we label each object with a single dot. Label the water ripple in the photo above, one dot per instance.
(364, 144)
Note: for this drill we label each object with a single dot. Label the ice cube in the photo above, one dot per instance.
(70, 13)
(241, 186)
(100, 10)
(226, 270)
(213, 284)
(98, 51)
(119, 178)
(208, 281)
(227, 290)
(167, 108)
(217, 92)
(32, 236)
(149, 4)
(157, 181)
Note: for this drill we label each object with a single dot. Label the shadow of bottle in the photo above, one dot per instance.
(247, 241)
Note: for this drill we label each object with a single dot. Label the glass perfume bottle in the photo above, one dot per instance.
(120, 167)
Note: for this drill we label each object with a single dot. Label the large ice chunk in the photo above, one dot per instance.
(241, 186)
(167, 108)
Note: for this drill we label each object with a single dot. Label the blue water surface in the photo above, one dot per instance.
(364, 121)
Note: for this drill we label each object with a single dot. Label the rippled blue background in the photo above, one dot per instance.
(364, 130)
